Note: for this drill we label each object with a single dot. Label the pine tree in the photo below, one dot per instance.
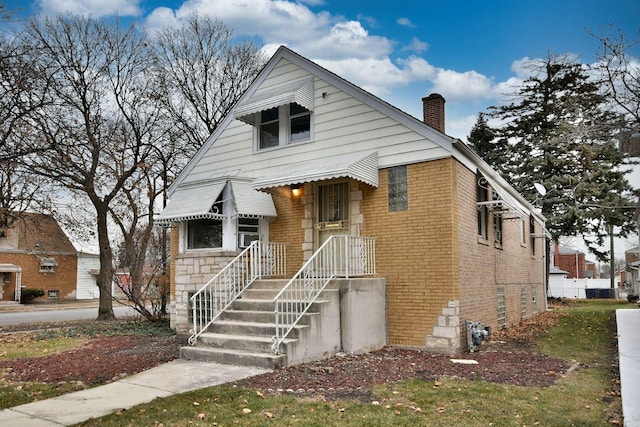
(561, 134)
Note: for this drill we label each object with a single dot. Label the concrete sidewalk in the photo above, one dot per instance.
(628, 323)
(175, 377)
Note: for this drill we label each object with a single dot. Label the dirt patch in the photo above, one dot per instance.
(98, 361)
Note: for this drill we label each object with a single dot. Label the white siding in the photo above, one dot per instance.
(342, 123)
(86, 287)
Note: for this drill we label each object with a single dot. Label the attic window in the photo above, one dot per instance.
(287, 124)
(47, 265)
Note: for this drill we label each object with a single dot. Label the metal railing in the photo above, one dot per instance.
(260, 259)
(339, 256)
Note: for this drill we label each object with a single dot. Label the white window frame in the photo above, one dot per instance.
(284, 129)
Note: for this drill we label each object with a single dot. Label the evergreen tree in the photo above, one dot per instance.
(484, 141)
(561, 134)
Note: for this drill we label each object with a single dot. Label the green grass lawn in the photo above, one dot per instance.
(585, 397)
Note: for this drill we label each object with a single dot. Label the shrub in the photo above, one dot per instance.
(29, 294)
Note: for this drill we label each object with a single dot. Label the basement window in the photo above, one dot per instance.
(53, 294)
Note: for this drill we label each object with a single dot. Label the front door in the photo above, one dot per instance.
(333, 211)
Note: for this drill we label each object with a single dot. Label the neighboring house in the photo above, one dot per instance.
(591, 270)
(632, 270)
(570, 260)
(306, 155)
(36, 253)
(88, 269)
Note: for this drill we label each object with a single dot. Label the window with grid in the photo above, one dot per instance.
(398, 189)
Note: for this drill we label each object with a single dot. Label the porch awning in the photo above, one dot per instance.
(506, 200)
(300, 92)
(359, 166)
(193, 202)
(250, 203)
(10, 268)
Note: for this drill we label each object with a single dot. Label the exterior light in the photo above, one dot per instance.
(296, 190)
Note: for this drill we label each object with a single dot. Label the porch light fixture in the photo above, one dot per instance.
(296, 190)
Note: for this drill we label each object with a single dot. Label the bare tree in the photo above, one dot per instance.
(203, 71)
(97, 127)
(621, 72)
(19, 189)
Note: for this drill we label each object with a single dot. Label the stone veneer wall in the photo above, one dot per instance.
(192, 271)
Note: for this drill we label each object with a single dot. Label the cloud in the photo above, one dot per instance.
(416, 46)
(343, 46)
(315, 35)
(456, 86)
(95, 8)
(405, 22)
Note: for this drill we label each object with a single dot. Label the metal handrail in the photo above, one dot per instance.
(260, 259)
(339, 256)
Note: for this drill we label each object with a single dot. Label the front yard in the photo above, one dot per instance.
(557, 369)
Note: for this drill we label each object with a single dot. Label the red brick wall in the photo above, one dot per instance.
(63, 279)
(568, 263)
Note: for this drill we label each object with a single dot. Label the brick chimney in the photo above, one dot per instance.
(433, 111)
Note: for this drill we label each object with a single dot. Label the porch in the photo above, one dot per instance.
(250, 313)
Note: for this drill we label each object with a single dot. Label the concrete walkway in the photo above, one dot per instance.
(628, 322)
(175, 377)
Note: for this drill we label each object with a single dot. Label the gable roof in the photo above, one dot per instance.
(254, 97)
(41, 233)
(424, 142)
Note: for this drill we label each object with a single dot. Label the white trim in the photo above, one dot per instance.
(191, 202)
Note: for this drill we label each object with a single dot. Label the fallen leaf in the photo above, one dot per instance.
(246, 411)
(201, 416)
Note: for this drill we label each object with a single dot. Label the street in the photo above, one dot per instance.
(17, 317)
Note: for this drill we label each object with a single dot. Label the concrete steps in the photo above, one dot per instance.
(243, 335)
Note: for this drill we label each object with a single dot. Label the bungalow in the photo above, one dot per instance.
(36, 253)
(383, 229)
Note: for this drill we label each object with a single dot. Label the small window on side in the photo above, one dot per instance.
(398, 190)
(482, 196)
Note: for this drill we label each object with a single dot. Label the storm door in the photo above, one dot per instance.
(333, 210)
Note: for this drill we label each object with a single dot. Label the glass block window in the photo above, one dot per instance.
(398, 189)
(502, 309)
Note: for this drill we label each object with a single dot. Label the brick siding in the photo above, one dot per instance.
(429, 255)
(63, 279)
(485, 267)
